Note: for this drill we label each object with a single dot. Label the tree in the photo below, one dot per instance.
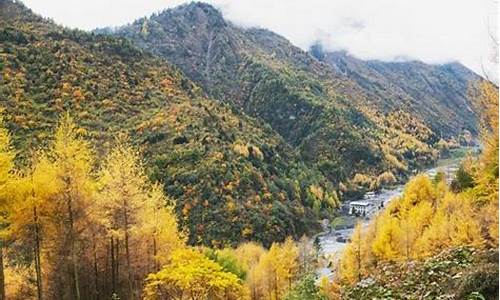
(137, 216)
(249, 255)
(352, 263)
(485, 192)
(227, 259)
(386, 245)
(305, 289)
(122, 195)
(413, 222)
(417, 190)
(157, 227)
(31, 212)
(307, 255)
(276, 269)
(6, 181)
(462, 180)
(289, 262)
(191, 274)
(487, 173)
(67, 209)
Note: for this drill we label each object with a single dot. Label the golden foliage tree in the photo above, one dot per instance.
(158, 227)
(7, 180)
(191, 275)
(352, 264)
(276, 270)
(137, 219)
(429, 218)
(76, 224)
(70, 163)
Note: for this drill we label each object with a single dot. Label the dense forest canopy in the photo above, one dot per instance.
(156, 162)
(344, 118)
(204, 154)
(435, 233)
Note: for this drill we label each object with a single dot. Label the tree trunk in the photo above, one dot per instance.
(38, 266)
(117, 264)
(96, 274)
(276, 292)
(2, 275)
(127, 250)
(74, 260)
(155, 252)
(113, 269)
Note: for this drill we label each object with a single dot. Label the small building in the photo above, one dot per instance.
(361, 208)
(369, 195)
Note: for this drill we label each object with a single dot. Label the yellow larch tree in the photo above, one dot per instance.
(66, 212)
(122, 195)
(31, 211)
(249, 255)
(352, 265)
(414, 220)
(277, 269)
(7, 179)
(158, 228)
(387, 241)
(485, 193)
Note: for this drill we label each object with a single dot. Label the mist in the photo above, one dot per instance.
(433, 31)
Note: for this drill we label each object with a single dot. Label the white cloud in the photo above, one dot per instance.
(91, 14)
(434, 31)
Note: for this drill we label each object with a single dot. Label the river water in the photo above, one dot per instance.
(332, 242)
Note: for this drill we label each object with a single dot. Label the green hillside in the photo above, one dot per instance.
(336, 124)
(232, 179)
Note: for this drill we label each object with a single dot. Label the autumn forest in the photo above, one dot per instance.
(182, 156)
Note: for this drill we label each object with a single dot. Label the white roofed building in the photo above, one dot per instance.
(361, 208)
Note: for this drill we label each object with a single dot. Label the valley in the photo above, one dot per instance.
(332, 241)
(186, 156)
(339, 125)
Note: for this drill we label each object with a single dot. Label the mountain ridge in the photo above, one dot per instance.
(231, 178)
(305, 100)
(401, 80)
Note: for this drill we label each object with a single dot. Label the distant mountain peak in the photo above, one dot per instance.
(12, 9)
(200, 5)
(195, 12)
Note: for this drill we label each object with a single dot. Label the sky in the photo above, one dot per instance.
(433, 31)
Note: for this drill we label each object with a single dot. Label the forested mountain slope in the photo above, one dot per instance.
(232, 179)
(337, 124)
(438, 94)
(436, 240)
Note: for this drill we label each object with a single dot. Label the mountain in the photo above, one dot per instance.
(338, 125)
(437, 94)
(457, 273)
(231, 178)
(246, 131)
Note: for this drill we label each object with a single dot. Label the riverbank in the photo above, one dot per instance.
(333, 239)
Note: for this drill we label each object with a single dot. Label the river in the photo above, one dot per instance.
(332, 242)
